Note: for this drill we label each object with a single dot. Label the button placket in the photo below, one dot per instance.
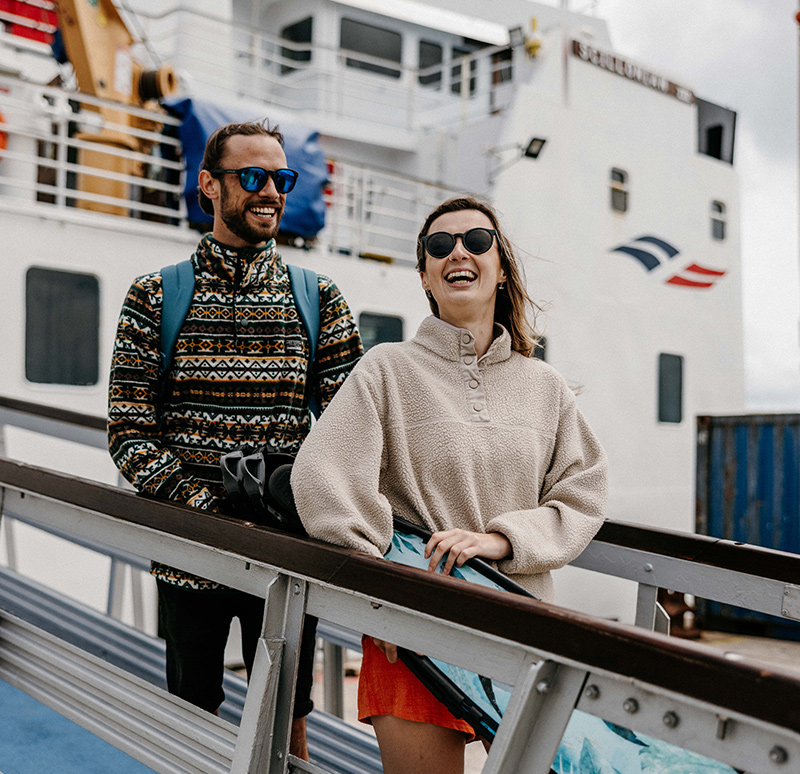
(473, 379)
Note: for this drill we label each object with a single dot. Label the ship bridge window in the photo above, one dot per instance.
(670, 388)
(718, 220)
(62, 324)
(430, 60)
(375, 42)
(457, 74)
(300, 33)
(379, 328)
(502, 66)
(619, 190)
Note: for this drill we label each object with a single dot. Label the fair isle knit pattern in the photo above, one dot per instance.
(238, 376)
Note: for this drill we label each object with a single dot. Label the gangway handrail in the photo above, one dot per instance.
(495, 613)
(557, 658)
(87, 429)
(761, 579)
(764, 580)
(718, 553)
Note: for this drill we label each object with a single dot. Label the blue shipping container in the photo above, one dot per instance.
(748, 491)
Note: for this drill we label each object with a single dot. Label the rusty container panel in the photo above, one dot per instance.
(748, 491)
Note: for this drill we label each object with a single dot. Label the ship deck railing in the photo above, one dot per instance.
(56, 164)
(735, 711)
(331, 81)
(227, 58)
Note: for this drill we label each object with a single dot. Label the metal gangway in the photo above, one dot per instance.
(729, 709)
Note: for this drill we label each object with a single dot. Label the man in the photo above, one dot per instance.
(238, 376)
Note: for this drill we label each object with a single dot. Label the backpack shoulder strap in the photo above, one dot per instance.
(305, 289)
(177, 291)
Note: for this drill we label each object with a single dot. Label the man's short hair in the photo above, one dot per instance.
(215, 148)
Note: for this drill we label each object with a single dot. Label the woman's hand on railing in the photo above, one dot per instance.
(461, 545)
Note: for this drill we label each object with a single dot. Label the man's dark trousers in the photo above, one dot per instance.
(195, 624)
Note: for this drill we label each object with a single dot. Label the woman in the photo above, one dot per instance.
(462, 431)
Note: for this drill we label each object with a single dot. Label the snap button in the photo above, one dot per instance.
(466, 338)
(477, 406)
(468, 360)
(473, 384)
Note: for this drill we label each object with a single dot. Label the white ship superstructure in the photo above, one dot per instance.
(616, 184)
(615, 181)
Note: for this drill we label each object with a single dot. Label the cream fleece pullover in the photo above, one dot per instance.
(428, 431)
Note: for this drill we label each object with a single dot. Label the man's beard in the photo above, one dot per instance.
(237, 223)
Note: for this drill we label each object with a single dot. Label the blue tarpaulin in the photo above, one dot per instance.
(305, 209)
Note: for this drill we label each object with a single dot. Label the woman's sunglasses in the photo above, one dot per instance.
(440, 244)
(255, 178)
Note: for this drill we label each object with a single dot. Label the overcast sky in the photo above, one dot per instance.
(741, 54)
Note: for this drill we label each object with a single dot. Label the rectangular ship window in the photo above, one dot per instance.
(62, 327)
(375, 42)
(379, 328)
(502, 67)
(459, 54)
(300, 33)
(670, 388)
(540, 349)
(718, 220)
(430, 55)
(619, 190)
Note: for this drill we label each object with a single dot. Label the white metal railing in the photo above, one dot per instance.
(376, 214)
(556, 660)
(54, 163)
(73, 151)
(335, 81)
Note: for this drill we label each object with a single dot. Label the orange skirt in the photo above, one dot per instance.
(391, 689)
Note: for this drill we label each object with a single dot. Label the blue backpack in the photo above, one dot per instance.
(177, 287)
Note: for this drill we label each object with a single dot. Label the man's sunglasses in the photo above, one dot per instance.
(255, 178)
(440, 244)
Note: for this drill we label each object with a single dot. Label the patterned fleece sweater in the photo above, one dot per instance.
(429, 432)
(238, 375)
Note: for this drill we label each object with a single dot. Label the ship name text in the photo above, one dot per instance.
(631, 71)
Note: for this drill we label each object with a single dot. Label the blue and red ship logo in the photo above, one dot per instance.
(653, 252)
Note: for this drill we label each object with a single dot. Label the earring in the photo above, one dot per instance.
(428, 293)
(501, 285)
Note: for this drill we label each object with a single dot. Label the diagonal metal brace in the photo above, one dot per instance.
(264, 734)
(536, 718)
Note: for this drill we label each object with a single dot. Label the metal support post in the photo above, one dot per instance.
(534, 722)
(410, 94)
(646, 601)
(61, 142)
(263, 743)
(7, 526)
(333, 677)
(116, 589)
(137, 594)
(464, 74)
